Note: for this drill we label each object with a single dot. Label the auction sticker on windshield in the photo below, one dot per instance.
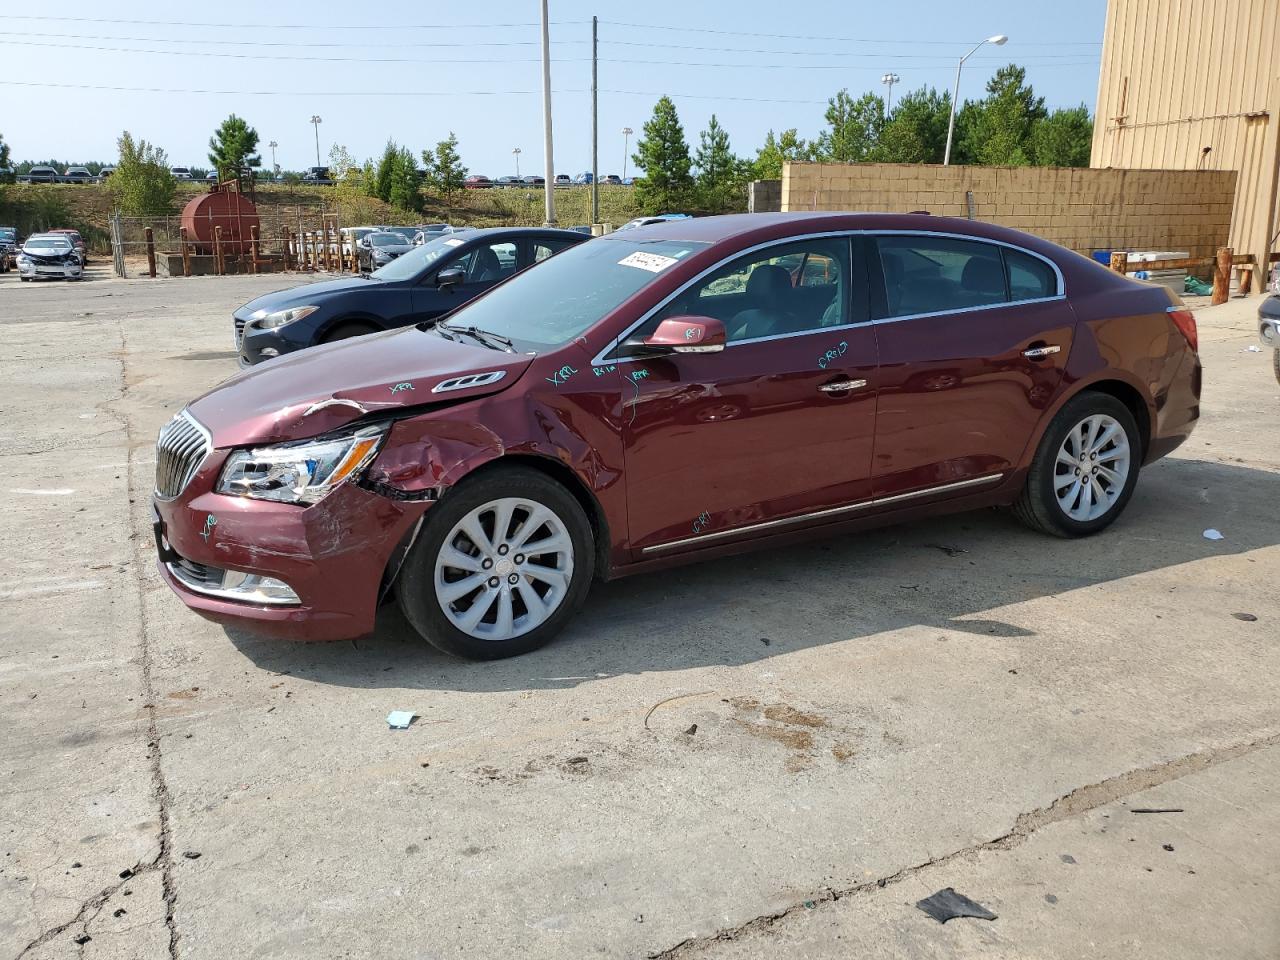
(653, 262)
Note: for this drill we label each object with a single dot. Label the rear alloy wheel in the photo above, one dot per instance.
(1085, 469)
(500, 566)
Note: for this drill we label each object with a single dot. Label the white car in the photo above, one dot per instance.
(180, 173)
(49, 256)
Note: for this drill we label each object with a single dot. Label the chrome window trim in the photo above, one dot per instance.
(602, 358)
(831, 512)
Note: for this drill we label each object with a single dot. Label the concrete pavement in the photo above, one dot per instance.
(910, 705)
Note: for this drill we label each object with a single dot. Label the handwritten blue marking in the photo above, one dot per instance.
(561, 376)
(401, 386)
(601, 371)
(210, 521)
(703, 521)
(836, 351)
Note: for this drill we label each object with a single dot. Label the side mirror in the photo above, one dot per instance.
(450, 277)
(687, 335)
(364, 242)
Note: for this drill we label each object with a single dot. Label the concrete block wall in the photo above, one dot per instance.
(1081, 208)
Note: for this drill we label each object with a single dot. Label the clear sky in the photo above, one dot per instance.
(415, 71)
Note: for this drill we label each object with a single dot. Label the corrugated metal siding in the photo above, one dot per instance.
(1180, 75)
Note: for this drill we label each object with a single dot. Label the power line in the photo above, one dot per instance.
(291, 26)
(283, 93)
(828, 39)
(290, 43)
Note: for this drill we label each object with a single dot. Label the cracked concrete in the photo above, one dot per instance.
(910, 707)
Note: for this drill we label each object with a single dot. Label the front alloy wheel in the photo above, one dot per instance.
(501, 564)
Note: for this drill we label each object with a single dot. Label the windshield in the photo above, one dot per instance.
(48, 243)
(568, 293)
(418, 259)
(387, 240)
(8, 233)
(404, 232)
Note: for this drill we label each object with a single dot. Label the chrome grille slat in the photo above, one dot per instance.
(181, 448)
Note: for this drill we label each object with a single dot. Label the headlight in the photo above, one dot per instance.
(269, 321)
(301, 472)
(24, 260)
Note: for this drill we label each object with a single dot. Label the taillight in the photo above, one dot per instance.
(1185, 321)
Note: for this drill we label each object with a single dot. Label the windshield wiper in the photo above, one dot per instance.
(484, 336)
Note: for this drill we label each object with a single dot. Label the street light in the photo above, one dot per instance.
(316, 123)
(275, 167)
(889, 79)
(626, 133)
(516, 153)
(999, 40)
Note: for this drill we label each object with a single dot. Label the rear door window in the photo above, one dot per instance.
(1030, 278)
(925, 274)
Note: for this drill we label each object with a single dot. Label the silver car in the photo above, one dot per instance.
(49, 256)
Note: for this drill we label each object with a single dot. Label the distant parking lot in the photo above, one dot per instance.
(770, 756)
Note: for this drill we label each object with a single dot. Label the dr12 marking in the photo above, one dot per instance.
(836, 351)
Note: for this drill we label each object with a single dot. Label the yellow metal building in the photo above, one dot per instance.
(1195, 85)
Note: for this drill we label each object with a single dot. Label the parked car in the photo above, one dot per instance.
(1269, 329)
(509, 181)
(77, 241)
(9, 239)
(49, 256)
(105, 172)
(7, 175)
(6, 258)
(40, 175)
(417, 287)
(77, 175)
(379, 248)
(181, 173)
(612, 180)
(533, 180)
(407, 232)
(211, 176)
(584, 178)
(681, 391)
(649, 221)
(563, 180)
(317, 176)
(477, 181)
(429, 231)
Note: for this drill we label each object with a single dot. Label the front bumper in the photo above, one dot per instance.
(333, 554)
(1269, 332)
(256, 346)
(50, 271)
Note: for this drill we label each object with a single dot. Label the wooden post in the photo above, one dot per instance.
(315, 250)
(284, 234)
(1119, 260)
(355, 254)
(186, 253)
(217, 250)
(253, 248)
(1222, 276)
(328, 250)
(151, 252)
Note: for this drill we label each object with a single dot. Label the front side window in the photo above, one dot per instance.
(936, 274)
(788, 289)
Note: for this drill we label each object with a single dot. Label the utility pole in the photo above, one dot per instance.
(626, 133)
(516, 153)
(315, 122)
(549, 187)
(889, 79)
(595, 117)
(275, 167)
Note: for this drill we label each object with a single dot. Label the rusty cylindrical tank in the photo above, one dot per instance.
(225, 207)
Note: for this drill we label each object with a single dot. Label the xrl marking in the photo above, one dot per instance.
(401, 386)
(561, 375)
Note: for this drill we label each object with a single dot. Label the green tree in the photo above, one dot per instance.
(854, 127)
(663, 156)
(5, 177)
(778, 150)
(916, 130)
(405, 181)
(341, 163)
(1063, 139)
(444, 170)
(380, 185)
(142, 184)
(996, 131)
(232, 149)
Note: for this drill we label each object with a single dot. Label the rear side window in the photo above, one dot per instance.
(1029, 277)
(937, 274)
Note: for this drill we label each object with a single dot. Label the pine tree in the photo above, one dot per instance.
(6, 175)
(854, 127)
(404, 182)
(996, 131)
(663, 156)
(778, 150)
(385, 171)
(721, 175)
(916, 130)
(232, 149)
(445, 172)
(1063, 139)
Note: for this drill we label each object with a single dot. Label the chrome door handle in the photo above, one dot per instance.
(1039, 353)
(843, 386)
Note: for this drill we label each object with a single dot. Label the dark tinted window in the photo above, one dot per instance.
(1029, 277)
(542, 249)
(936, 274)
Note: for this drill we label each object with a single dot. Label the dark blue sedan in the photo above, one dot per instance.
(419, 286)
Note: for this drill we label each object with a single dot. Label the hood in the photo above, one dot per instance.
(305, 294)
(313, 391)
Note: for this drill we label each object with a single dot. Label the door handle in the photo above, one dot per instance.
(1039, 353)
(843, 386)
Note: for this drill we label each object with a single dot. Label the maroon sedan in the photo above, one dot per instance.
(674, 392)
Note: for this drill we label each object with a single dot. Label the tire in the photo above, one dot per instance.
(345, 331)
(1275, 363)
(481, 501)
(1120, 456)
